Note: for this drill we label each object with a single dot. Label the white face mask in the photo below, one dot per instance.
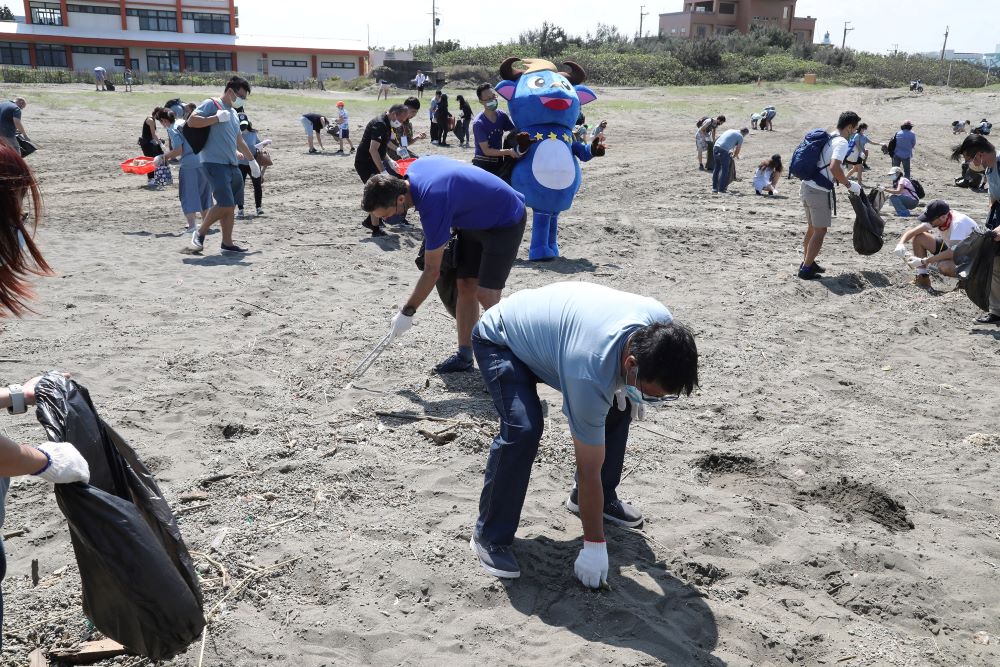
(396, 124)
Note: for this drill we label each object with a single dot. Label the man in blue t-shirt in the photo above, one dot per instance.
(906, 141)
(610, 353)
(489, 216)
(727, 148)
(488, 130)
(220, 159)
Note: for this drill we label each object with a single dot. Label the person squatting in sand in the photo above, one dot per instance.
(817, 194)
(610, 353)
(220, 159)
(934, 240)
(55, 462)
(767, 175)
(902, 195)
(489, 217)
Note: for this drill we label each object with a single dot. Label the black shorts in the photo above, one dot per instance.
(939, 247)
(365, 170)
(421, 88)
(489, 254)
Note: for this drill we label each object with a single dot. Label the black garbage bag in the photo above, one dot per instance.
(868, 226)
(447, 282)
(974, 261)
(138, 580)
(877, 199)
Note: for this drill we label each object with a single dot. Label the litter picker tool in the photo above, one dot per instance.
(376, 352)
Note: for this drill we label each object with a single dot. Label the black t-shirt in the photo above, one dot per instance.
(377, 129)
(316, 120)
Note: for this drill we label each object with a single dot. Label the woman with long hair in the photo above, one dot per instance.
(464, 122)
(443, 118)
(767, 175)
(56, 462)
(151, 144)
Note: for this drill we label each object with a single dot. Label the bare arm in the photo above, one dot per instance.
(376, 158)
(241, 146)
(589, 460)
(428, 277)
(496, 152)
(837, 171)
(20, 127)
(18, 459)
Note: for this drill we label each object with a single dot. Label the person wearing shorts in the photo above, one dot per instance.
(193, 188)
(934, 240)
(220, 159)
(313, 124)
(489, 217)
(343, 128)
(817, 193)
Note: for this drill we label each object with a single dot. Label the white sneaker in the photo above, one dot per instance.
(197, 240)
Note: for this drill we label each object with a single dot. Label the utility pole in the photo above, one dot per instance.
(946, 30)
(434, 25)
(641, 14)
(895, 50)
(846, 30)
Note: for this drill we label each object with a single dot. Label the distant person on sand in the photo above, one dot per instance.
(383, 90)
(420, 80)
(100, 78)
(979, 153)
(489, 217)
(444, 120)
(10, 122)
(435, 128)
(128, 80)
(464, 121)
(149, 142)
(934, 240)
(857, 153)
(343, 128)
(902, 195)
(314, 124)
(767, 118)
(816, 190)
(372, 150)
(705, 136)
(611, 354)
(726, 148)
(220, 159)
(906, 141)
(767, 175)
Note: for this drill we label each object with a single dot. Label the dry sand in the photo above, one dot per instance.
(827, 497)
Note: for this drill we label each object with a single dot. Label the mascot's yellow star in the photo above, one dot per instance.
(553, 135)
(538, 136)
(565, 137)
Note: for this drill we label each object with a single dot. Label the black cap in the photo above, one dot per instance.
(935, 209)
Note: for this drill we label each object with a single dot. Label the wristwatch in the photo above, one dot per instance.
(18, 405)
(408, 311)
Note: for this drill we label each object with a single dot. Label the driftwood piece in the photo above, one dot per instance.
(88, 652)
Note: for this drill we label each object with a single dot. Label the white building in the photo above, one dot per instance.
(166, 36)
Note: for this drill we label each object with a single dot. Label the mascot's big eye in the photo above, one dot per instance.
(537, 82)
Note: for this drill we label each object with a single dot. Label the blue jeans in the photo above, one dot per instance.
(903, 204)
(512, 385)
(720, 174)
(905, 161)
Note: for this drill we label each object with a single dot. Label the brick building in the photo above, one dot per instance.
(165, 35)
(703, 18)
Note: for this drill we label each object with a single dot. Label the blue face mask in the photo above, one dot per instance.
(637, 396)
(634, 394)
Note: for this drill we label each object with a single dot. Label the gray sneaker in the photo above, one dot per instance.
(616, 511)
(498, 561)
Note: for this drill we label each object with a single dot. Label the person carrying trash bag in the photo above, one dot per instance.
(55, 462)
(868, 225)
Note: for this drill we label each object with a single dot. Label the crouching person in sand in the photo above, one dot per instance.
(610, 353)
(934, 240)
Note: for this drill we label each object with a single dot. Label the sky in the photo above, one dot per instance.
(915, 25)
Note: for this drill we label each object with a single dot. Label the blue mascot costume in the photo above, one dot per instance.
(544, 105)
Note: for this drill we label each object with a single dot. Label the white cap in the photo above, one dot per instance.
(894, 171)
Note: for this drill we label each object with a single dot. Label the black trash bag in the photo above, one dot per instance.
(868, 226)
(710, 157)
(447, 282)
(974, 261)
(877, 199)
(139, 586)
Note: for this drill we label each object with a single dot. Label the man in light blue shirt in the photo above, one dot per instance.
(981, 155)
(906, 141)
(727, 147)
(610, 353)
(220, 159)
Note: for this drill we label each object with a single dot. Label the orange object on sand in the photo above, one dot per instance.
(403, 165)
(138, 165)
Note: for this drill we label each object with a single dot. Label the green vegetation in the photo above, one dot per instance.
(772, 55)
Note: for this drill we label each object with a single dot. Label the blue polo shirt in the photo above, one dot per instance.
(448, 193)
(905, 142)
(189, 159)
(572, 336)
(221, 145)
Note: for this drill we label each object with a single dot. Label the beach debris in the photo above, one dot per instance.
(87, 653)
(982, 637)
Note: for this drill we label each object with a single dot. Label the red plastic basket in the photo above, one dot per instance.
(403, 165)
(138, 165)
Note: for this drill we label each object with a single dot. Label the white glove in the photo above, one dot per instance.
(915, 262)
(854, 187)
(638, 412)
(900, 250)
(223, 115)
(400, 324)
(266, 142)
(591, 565)
(254, 169)
(65, 465)
(158, 161)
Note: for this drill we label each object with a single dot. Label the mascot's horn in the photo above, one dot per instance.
(576, 75)
(507, 69)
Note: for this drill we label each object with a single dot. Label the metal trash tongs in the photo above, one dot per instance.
(376, 352)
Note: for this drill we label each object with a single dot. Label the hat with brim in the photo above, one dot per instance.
(935, 209)
(894, 171)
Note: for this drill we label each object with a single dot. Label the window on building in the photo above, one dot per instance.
(154, 19)
(14, 54)
(336, 65)
(134, 66)
(289, 63)
(215, 24)
(46, 13)
(50, 55)
(98, 50)
(702, 31)
(94, 9)
(163, 61)
(208, 61)
(785, 11)
(727, 7)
